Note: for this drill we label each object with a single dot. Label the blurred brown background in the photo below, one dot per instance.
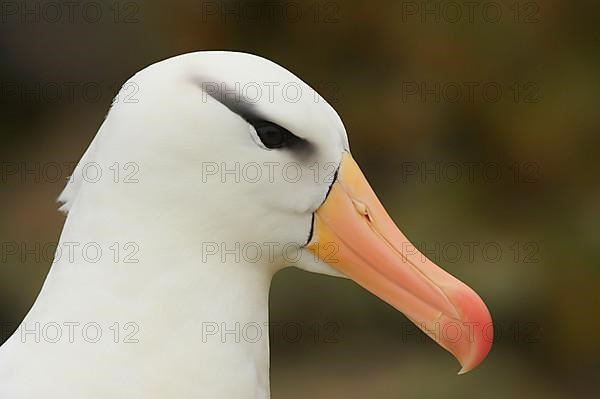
(477, 123)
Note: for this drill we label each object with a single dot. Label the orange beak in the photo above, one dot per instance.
(356, 236)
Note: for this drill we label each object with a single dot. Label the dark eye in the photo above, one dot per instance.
(273, 136)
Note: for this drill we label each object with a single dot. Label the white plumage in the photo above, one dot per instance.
(170, 130)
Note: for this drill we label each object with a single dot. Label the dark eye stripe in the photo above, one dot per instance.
(271, 134)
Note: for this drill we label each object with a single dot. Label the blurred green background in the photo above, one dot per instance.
(478, 125)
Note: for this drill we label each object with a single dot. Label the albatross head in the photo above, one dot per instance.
(232, 152)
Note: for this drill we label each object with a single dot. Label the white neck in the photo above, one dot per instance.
(200, 324)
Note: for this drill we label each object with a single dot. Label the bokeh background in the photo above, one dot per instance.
(478, 125)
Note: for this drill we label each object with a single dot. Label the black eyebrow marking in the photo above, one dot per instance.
(233, 100)
(244, 108)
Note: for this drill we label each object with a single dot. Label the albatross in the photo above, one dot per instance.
(211, 172)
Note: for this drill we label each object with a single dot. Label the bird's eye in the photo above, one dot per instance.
(272, 135)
